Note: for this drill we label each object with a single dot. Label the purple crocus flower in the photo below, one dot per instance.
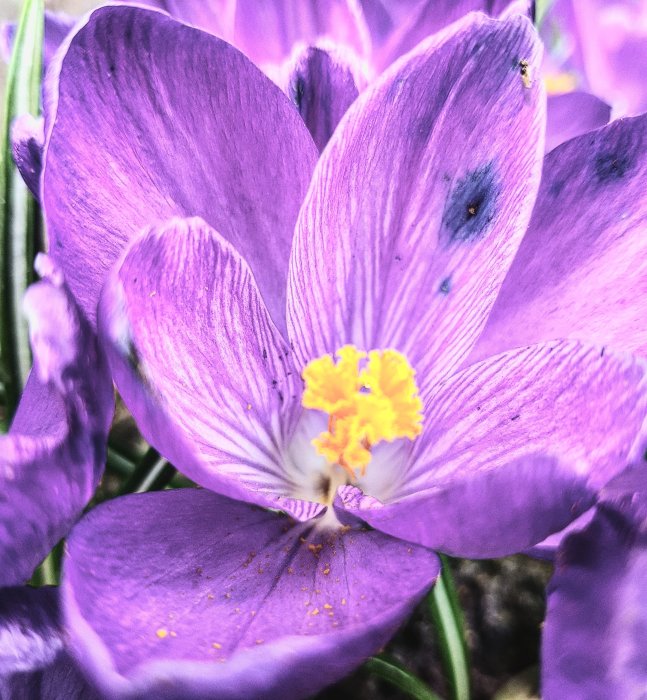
(596, 624)
(53, 456)
(403, 237)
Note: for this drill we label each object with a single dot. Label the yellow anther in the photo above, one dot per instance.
(329, 386)
(366, 405)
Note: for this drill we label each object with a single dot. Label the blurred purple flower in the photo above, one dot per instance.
(402, 239)
(33, 662)
(596, 624)
(50, 464)
(53, 456)
(600, 46)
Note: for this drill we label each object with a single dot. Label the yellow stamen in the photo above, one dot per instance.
(375, 403)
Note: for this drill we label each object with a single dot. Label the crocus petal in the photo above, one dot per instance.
(572, 114)
(33, 661)
(596, 623)
(208, 597)
(419, 201)
(198, 361)
(583, 262)
(27, 140)
(514, 449)
(266, 30)
(322, 84)
(53, 456)
(152, 119)
(431, 16)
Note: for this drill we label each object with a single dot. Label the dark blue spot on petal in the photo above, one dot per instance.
(445, 286)
(615, 160)
(611, 166)
(471, 205)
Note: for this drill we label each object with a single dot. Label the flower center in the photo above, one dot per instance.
(369, 398)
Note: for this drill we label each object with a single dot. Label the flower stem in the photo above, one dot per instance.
(19, 213)
(448, 618)
(397, 676)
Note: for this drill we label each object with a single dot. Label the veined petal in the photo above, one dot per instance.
(514, 449)
(583, 262)
(596, 622)
(198, 361)
(209, 598)
(573, 114)
(420, 199)
(33, 661)
(54, 454)
(149, 119)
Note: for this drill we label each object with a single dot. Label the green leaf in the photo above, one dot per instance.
(397, 676)
(448, 619)
(19, 213)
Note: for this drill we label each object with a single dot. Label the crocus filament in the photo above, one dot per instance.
(369, 397)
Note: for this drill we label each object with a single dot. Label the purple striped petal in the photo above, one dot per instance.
(53, 456)
(573, 114)
(208, 598)
(596, 622)
(419, 201)
(583, 262)
(514, 449)
(199, 363)
(151, 119)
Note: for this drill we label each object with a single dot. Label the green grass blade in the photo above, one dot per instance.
(397, 676)
(448, 619)
(19, 213)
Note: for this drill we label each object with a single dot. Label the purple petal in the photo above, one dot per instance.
(198, 361)
(33, 662)
(152, 119)
(267, 30)
(54, 454)
(419, 201)
(583, 262)
(546, 549)
(514, 449)
(207, 597)
(596, 623)
(573, 114)
(430, 16)
(27, 140)
(322, 84)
